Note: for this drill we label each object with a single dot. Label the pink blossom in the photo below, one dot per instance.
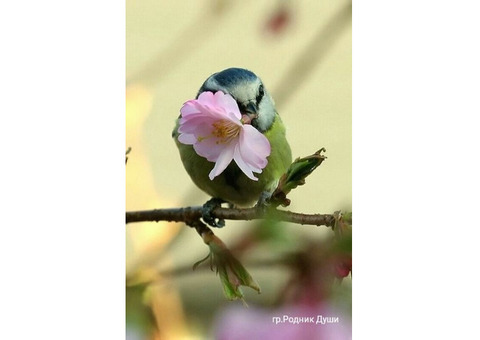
(290, 322)
(214, 126)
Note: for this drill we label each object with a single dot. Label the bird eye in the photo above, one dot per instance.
(261, 92)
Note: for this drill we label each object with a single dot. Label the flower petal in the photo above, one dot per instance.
(247, 170)
(206, 98)
(199, 126)
(229, 104)
(188, 108)
(222, 162)
(209, 149)
(254, 147)
(186, 138)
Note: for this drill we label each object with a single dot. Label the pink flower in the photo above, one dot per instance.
(289, 322)
(214, 126)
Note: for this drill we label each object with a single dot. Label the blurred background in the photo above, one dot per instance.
(302, 50)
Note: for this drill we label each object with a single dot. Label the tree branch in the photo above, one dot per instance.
(292, 178)
(188, 214)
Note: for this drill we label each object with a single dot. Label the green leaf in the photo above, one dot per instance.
(232, 273)
(295, 176)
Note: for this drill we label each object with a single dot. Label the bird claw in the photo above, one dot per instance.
(207, 210)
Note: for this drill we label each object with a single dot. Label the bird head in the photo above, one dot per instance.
(255, 103)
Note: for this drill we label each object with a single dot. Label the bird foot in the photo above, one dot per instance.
(263, 202)
(207, 210)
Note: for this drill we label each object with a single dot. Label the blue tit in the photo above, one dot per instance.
(232, 185)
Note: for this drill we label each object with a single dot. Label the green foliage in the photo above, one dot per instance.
(232, 273)
(295, 176)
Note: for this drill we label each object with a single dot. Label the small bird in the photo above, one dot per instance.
(254, 102)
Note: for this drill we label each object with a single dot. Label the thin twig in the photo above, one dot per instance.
(193, 213)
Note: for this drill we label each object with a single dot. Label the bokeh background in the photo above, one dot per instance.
(302, 50)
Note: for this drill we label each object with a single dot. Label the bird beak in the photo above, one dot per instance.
(249, 112)
(251, 109)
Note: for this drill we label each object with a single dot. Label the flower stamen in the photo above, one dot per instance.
(225, 131)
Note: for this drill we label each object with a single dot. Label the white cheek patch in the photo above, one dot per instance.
(266, 113)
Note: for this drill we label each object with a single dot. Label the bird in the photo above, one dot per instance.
(232, 185)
